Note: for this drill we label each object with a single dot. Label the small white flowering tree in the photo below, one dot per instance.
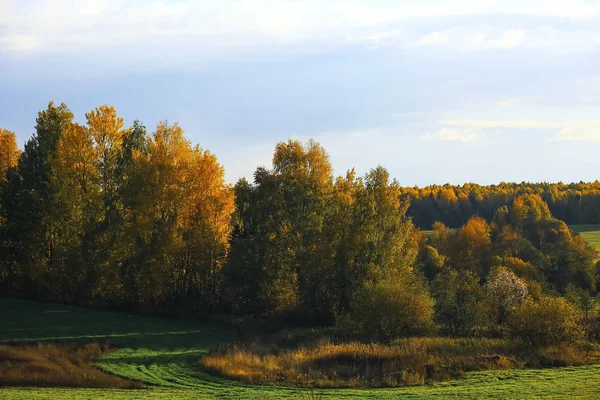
(505, 291)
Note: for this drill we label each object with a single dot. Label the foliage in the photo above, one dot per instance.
(99, 214)
(9, 151)
(504, 291)
(459, 302)
(580, 298)
(392, 308)
(454, 205)
(549, 321)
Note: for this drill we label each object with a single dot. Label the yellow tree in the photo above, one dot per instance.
(107, 132)
(155, 197)
(78, 209)
(472, 246)
(181, 208)
(9, 151)
(206, 227)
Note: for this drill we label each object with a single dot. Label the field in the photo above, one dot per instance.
(591, 233)
(164, 354)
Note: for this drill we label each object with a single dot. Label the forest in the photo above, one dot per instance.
(100, 214)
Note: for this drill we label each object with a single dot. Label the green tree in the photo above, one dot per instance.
(459, 301)
(28, 201)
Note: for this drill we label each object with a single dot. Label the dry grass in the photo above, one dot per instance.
(405, 362)
(56, 365)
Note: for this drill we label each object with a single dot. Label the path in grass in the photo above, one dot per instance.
(164, 353)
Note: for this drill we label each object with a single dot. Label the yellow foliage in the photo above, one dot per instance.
(9, 151)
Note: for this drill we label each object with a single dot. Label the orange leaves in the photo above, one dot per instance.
(529, 208)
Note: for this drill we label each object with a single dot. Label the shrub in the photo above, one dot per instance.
(388, 309)
(548, 322)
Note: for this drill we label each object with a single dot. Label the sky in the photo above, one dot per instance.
(435, 91)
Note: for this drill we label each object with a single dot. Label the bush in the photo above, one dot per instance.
(548, 322)
(459, 305)
(389, 309)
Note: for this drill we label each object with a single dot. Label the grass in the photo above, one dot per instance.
(56, 365)
(164, 353)
(405, 362)
(591, 233)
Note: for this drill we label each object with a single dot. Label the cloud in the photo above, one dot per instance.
(513, 38)
(520, 124)
(450, 134)
(84, 25)
(434, 38)
(581, 133)
(18, 43)
(567, 130)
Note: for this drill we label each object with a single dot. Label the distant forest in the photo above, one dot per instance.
(573, 203)
(110, 215)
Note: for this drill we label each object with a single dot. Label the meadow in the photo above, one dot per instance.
(590, 232)
(164, 355)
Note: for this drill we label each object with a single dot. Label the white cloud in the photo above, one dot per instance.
(567, 130)
(76, 25)
(434, 38)
(513, 38)
(18, 43)
(580, 133)
(452, 134)
(504, 103)
(522, 124)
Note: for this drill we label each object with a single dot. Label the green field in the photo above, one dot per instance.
(591, 233)
(164, 354)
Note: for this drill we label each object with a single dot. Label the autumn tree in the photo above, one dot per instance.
(178, 210)
(77, 209)
(9, 151)
(471, 250)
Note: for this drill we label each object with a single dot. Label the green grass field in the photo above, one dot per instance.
(163, 353)
(591, 233)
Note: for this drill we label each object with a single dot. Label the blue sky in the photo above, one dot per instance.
(473, 91)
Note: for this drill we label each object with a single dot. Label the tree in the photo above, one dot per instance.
(9, 151)
(74, 274)
(472, 247)
(28, 200)
(504, 291)
(550, 321)
(580, 298)
(178, 209)
(442, 238)
(430, 261)
(459, 305)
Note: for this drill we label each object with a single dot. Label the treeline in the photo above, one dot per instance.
(574, 203)
(110, 215)
(103, 214)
